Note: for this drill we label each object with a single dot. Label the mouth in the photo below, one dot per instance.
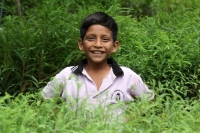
(97, 52)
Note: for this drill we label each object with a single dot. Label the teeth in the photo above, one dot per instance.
(97, 52)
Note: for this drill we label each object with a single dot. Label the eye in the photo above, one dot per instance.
(106, 39)
(90, 38)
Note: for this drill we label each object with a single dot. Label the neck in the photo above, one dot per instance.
(96, 67)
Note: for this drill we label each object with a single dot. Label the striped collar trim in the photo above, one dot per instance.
(116, 69)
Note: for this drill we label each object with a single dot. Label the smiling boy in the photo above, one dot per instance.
(98, 44)
(98, 78)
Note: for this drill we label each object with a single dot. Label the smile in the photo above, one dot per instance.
(97, 52)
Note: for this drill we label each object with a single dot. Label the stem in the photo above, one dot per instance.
(43, 48)
(19, 11)
(1, 10)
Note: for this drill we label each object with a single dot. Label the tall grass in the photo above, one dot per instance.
(29, 113)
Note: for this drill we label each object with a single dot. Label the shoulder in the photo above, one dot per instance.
(65, 72)
(67, 69)
(127, 70)
(129, 73)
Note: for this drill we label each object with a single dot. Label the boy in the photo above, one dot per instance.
(97, 78)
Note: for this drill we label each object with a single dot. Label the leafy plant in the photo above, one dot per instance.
(30, 113)
(162, 46)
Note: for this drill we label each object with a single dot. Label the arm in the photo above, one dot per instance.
(53, 88)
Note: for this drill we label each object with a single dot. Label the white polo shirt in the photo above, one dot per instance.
(120, 85)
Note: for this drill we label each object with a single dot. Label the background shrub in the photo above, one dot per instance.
(159, 41)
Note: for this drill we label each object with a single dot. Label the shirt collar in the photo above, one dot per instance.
(116, 69)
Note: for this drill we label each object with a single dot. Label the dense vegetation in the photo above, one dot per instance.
(27, 114)
(162, 45)
(160, 40)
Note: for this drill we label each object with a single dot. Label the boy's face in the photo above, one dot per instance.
(98, 44)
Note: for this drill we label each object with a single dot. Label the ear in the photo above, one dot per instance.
(80, 44)
(115, 46)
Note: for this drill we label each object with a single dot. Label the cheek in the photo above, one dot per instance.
(111, 47)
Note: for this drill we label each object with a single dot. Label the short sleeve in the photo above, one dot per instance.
(138, 89)
(55, 87)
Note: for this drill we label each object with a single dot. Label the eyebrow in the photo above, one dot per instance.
(107, 35)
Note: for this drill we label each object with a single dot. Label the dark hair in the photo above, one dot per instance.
(101, 19)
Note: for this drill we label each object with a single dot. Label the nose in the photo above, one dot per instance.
(98, 43)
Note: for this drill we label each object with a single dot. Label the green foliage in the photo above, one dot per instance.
(158, 40)
(29, 113)
(37, 46)
(141, 8)
(164, 48)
